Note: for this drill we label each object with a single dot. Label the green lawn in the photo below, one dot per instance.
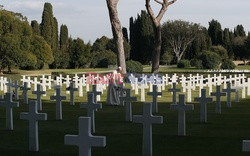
(222, 135)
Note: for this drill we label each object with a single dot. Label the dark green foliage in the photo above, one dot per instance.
(215, 32)
(79, 54)
(125, 33)
(42, 51)
(134, 66)
(221, 51)
(201, 43)
(239, 31)
(228, 64)
(166, 58)
(196, 63)
(35, 27)
(141, 38)
(47, 23)
(240, 51)
(103, 59)
(184, 64)
(64, 45)
(210, 60)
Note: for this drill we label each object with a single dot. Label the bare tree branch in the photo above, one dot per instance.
(159, 2)
(171, 2)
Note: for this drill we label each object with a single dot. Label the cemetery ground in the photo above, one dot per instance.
(222, 135)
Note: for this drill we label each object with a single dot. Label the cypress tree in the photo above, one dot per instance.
(125, 33)
(35, 27)
(47, 23)
(64, 35)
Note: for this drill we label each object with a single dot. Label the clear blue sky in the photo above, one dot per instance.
(89, 19)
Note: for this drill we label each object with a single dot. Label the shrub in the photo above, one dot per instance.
(166, 58)
(104, 59)
(228, 64)
(196, 63)
(220, 50)
(134, 66)
(210, 60)
(183, 64)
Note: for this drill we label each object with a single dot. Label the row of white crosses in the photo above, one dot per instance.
(79, 83)
(190, 83)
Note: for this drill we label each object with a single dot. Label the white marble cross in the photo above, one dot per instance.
(147, 119)
(155, 94)
(9, 104)
(35, 83)
(174, 90)
(190, 87)
(91, 106)
(203, 101)
(39, 94)
(72, 93)
(128, 99)
(85, 140)
(229, 91)
(237, 87)
(49, 80)
(9, 85)
(16, 86)
(95, 92)
(182, 107)
(58, 97)
(1, 82)
(218, 94)
(25, 90)
(67, 82)
(33, 117)
(142, 87)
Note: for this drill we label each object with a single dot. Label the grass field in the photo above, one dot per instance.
(222, 135)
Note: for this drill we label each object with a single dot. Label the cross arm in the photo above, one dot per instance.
(138, 119)
(98, 141)
(24, 115)
(42, 116)
(157, 119)
(71, 140)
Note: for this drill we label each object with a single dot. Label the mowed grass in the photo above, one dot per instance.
(222, 135)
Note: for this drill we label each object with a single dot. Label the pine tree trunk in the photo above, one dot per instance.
(117, 32)
(157, 50)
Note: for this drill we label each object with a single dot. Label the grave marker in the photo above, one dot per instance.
(33, 117)
(85, 140)
(9, 104)
(91, 106)
(182, 107)
(147, 119)
(128, 99)
(203, 101)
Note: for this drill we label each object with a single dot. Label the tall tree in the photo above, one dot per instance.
(125, 33)
(64, 45)
(142, 38)
(35, 27)
(179, 36)
(157, 26)
(239, 31)
(117, 32)
(215, 32)
(47, 23)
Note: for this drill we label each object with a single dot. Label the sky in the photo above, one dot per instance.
(89, 19)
